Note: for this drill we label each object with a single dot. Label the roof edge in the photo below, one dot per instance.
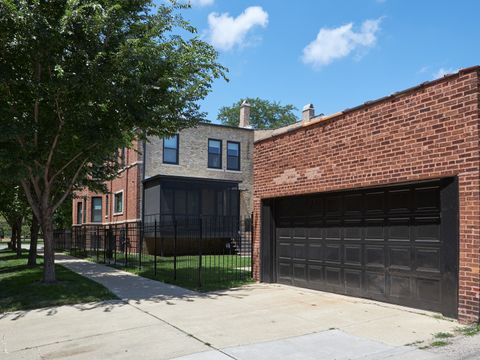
(366, 104)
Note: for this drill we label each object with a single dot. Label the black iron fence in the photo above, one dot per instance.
(196, 252)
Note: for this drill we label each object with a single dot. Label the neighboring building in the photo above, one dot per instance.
(381, 201)
(203, 171)
(122, 203)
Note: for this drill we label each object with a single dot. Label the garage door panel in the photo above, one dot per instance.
(428, 290)
(285, 271)
(300, 251)
(333, 276)
(374, 230)
(374, 256)
(284, 250)
(315, 252)
(333, 253)
(427, 198)
(427, 229)
(400, 287)
(333, 230)
(399, 201)
(428, 259)
(333, 205)
(299, 272)
(384, 244)
(352, 230)
(352, 255)
(353, 281)
(400, 258)
(375, 283)
(353, 205)
(315, 274)
(399, 229)
(375, 202)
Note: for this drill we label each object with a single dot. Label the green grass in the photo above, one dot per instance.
(21, 287)
(218, 271)
(439, 343)
(443, 335)
(470, 330)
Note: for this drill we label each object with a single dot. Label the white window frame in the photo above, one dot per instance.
(114, 210)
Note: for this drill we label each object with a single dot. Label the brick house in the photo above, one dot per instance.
(208, 167)
(380, 201)
(122, 202)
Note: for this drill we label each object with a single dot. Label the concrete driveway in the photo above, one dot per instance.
(260, 321)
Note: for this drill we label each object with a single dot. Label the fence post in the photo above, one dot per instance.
(200, 254)
(97, 243)
(125, 243)
(175, 249)
(140, 244)
(155, 250)
(115, 244)
(251, 244)
(105, 236)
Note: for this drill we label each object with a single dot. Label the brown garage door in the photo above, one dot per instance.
(396, 244)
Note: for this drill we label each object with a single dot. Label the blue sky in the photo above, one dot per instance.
(335, 54)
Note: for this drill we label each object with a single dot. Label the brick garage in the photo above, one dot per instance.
(428, 132)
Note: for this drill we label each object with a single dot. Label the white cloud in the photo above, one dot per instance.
(225, 32)
(442, 72)
(332, 44)
(201, 3)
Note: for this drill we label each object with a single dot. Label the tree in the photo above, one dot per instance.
(79, 79)
(264, 114)
(14, 208)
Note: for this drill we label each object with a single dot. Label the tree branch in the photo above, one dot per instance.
(70, 186)
(70, 162)
(55, 142)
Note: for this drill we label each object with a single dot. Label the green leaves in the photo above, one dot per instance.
(80, 79)
(264, 114)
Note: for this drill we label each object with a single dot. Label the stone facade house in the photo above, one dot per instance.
(204, 171)
(381, 201)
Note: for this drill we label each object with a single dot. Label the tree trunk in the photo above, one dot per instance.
(19, 237)
(13, 238)
(49, 250)
(32, 253)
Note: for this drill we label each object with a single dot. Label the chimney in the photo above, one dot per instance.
(244, 115)
(308, 112)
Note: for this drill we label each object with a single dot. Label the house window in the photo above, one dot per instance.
(170, 150)
(122, 156)
(96, 209)
(107, 203)
(214, 154)
(233, 155)
(79, 212)
(118, 203)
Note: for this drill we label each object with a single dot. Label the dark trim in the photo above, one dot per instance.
(226, 126)
(157, 179)
(267, 241)
(177, 152)
(450, 231)
(208, 153)
(239, 155)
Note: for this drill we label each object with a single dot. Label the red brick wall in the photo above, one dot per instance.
(128, 180)
(427, 132)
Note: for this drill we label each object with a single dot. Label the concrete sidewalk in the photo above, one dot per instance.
(261, 321)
